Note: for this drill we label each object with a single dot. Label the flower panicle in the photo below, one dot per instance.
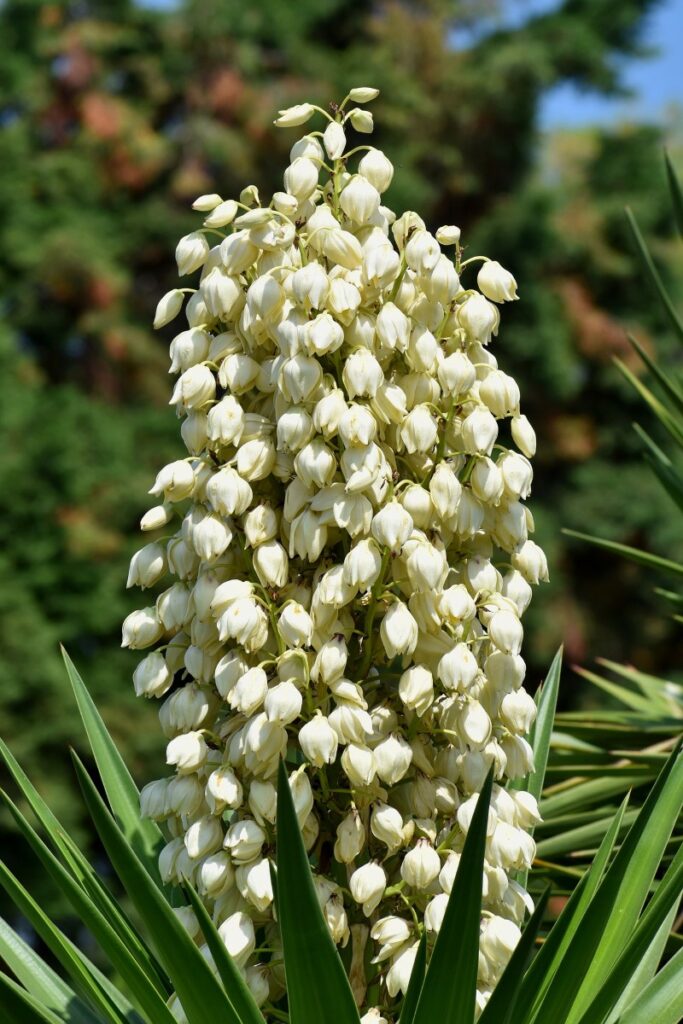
(350, 558)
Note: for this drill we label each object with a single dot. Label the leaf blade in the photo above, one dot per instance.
(444, 996)
(144, 836)
(317, 986)
(197, 989)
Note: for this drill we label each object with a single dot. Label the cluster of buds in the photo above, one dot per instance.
(352, 560)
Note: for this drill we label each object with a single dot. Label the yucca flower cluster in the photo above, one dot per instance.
(351, 559)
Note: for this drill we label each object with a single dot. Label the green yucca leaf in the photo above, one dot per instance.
(664, 692)
(549, 959)
(318, 989)
(41, 981)
(584, 837)
(634, 554)
(543, 726)
(450, 985)
(143, 984)
(611, 917)
(417, 977)
(78, 968)
(200, 994)
(666, 381)
(670, 479)
(585, 794)
(660, 1002)
(676, 194)
(648, 966)
(75, 860)
(653, 274)
(502, 1006)
(144, 836)
(669, 418)
(636, 701)
(637, 949)
(19, 1007)
(541, 735)
(237, 989)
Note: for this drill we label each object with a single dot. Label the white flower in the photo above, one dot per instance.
(458, 668)
(498, 940)
(505, 630)
(168, 307)
(420, 866)
(249, 692)
(350, 838)
(377, 169)
(203, 837)
(174, 481)
(500, 393)
(398, 975)
(188, 752)
(416, 689)
(220, 214)
(319, 741)
(398, 630)
(435, 912)
(283, 703)
(363, 94)
(334, 140)
(310, 285)
(255, 883)
(359, 764)
(301, 178)
(191, 253)
(531, 561)
(359, 199)
(215, 874)
(152, 677)
(141, 629)
(194, 388)
(523, 435)
(290, 117)
(367, 885)
(518, 711)
(479, 318)
(496, 282)
(393, 757)
(237, 932)
(362, 374)
(295, 625)
(391, 934)
(386, 824)
(362, 565)
(392, 526)
(422, 252)
(448, 234)
(244, 841)
(223, 789)
(156, 517)
(479, 432)
(445, 490)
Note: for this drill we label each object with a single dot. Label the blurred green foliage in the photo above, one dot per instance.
(113, 118)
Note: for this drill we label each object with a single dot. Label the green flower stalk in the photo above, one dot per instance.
(352, 559)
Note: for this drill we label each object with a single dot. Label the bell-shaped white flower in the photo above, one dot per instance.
(367, 885)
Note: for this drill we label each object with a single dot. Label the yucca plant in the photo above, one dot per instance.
(347, 835)
(599, 963)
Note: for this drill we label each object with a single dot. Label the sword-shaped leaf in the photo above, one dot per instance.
(318, 990)
(450, 986)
